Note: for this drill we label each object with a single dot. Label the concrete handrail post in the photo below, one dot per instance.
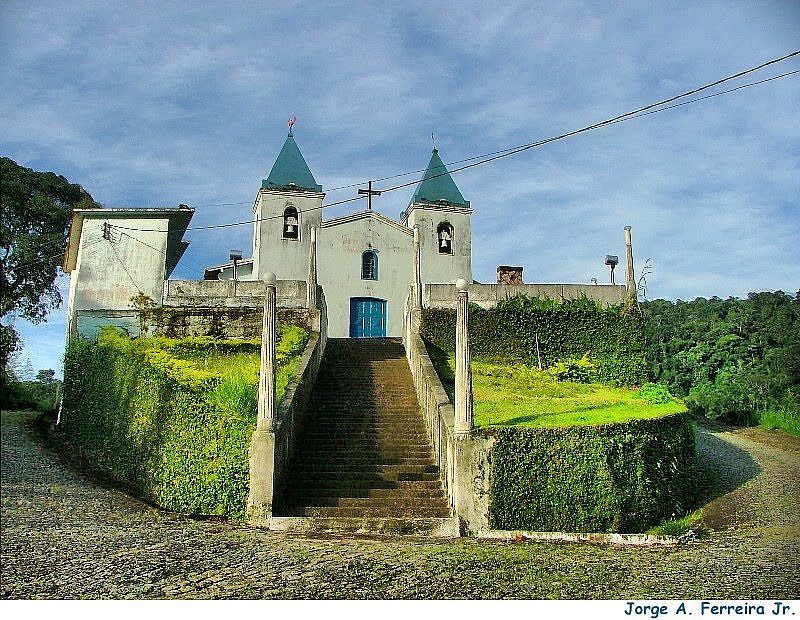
(266, 375)
(312, 270)
(262, 443)
(629, 277)
(417, 301)
(463, 392)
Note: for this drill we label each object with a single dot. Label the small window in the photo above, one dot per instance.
(444, 234)
(369, 265)
(291, 225)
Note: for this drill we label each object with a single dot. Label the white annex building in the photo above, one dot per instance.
(364, 259)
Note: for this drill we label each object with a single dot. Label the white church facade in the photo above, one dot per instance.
(364, 259)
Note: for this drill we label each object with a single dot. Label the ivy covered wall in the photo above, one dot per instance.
(606, 478)
(611, 337)
(170, 418)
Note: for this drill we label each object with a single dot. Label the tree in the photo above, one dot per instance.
(46, 377)
(36, 208)
(732, 358)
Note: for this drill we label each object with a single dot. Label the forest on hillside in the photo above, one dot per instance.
(733, 360)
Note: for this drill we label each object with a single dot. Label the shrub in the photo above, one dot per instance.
(171, 418)
(621, 477)
(654, 393)
(784, 415)
(576, 370)
(728, 397)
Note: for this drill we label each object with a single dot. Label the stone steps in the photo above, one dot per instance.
(365, 463)
(355, 487)
(372, 511)
(324, 496)
(373, 463)
(393, 526)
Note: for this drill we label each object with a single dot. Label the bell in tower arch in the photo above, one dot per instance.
(445, 234)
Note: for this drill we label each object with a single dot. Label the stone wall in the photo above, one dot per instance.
(436, 406)
(231, 294)
(464, 463)
(216, 308)
(182, 322)
(487, 295)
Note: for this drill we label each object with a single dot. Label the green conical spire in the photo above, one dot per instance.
(290, 170)
(437, 185)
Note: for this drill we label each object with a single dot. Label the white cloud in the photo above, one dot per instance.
(163, 103)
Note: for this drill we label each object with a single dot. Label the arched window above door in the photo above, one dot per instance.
(291, 223)
(369, 265)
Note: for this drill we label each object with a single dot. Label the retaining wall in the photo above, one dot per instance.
(291, 413)
(488, 295)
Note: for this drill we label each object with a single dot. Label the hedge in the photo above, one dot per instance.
(612, 338)
(607, 478)
(176, 433)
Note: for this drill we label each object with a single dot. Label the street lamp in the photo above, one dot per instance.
(236, 255)
(612, 261)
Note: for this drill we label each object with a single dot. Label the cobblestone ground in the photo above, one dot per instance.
(64, 536)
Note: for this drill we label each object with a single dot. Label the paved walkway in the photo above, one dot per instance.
(64, 536)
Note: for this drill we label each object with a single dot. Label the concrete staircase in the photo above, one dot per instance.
(364, 462)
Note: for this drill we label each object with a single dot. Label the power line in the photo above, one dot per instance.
(514, 148)
(124, 267)
(652, 108)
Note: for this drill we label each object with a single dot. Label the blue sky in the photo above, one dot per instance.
(159, 103)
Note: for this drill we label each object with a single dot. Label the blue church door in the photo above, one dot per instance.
(367, 317)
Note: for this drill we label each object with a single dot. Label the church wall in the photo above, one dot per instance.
(443, 268)
(109, 272)
(339, 250)
(287, 258)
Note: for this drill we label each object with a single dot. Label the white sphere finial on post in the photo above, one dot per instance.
(270, 279)
(461, 284)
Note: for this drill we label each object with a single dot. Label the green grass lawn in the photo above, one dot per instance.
(239, 371)
(235, 363)
(517, 395)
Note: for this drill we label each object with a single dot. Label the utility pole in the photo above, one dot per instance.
(369, 193)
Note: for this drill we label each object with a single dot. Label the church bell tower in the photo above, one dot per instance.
(286, 207)
(443, 217)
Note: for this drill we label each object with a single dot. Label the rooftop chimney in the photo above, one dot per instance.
(509, 275)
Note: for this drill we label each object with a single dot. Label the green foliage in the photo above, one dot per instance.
(734, 359)
(33, 228)
(678, 527)
(609, 478)
(581, 370)
(531, 302)
(654, 393)
(523, 330)
(36, 211)
(40, 394)
(784, 415)
(518, 395)
(171, 418)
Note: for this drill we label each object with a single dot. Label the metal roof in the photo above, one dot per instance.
(290, 170)
(437, 186)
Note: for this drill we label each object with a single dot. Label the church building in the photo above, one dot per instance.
(121, 260)
(364, 259)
